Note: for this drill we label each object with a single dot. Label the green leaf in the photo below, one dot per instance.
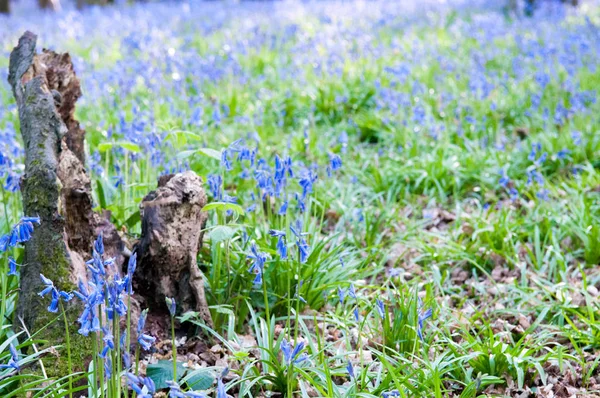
(186, 154)
(130, 146)
(101, 195)
(133, 220)
(189, 315)
(200, 379)
(211, 153)
(221, 233)
(162, 372)
(221, 206)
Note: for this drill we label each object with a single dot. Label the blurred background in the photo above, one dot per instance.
(516, 7)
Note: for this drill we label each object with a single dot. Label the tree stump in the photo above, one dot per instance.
(172, 231)
(55, 185)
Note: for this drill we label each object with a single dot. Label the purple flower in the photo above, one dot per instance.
(350, 370)
(281, 246)
(380, 308)
(12, 266)
(143, 386)
(423, 316)
(172, 305)
(292, 355)
(13, 362)
(341, 295)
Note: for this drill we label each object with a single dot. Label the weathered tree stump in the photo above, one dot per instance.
(172, 230)
(55, 185)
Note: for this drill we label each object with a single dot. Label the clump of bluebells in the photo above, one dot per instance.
(20, 233)
(104, 297)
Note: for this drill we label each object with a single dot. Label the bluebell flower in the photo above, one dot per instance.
(423, 316)
(391, 394)
(131, 266)
(303, 247)
(335, 162)
(263, 178)
(563, 153)
(221, 392)
(126, 360)
(350, 370)
(306, 181)
(144, 340)
(356, 314)
(352, 291)
(53, 307)
(543, 194)
(109, 343)
(13, 362)
(292, 355)
(108, 367)
(56, 295)
(341, 295)
(99, 245)
(215, 182)
(114, 295)
(176, 392)
(380, 308)
(281, 246)
(12, 266)
(258, 263)
(172, 305)
(88, 320)
(283, 208)
(541, 159)
(20, 233)
(144, 387)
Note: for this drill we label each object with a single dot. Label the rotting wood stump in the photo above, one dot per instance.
(55, 185)
(172, 231)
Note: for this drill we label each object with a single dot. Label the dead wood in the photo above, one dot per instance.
(172, 229)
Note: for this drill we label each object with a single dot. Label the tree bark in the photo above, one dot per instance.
(4, 7)
(42, 130)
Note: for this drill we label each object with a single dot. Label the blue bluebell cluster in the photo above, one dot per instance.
(106, 291)
(56, 294)
(144, 387)
(13, 361)
(293, 353)
(258, 259)
(20, 233)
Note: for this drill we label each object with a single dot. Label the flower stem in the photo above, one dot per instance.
(68, 341)
(174, 347)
